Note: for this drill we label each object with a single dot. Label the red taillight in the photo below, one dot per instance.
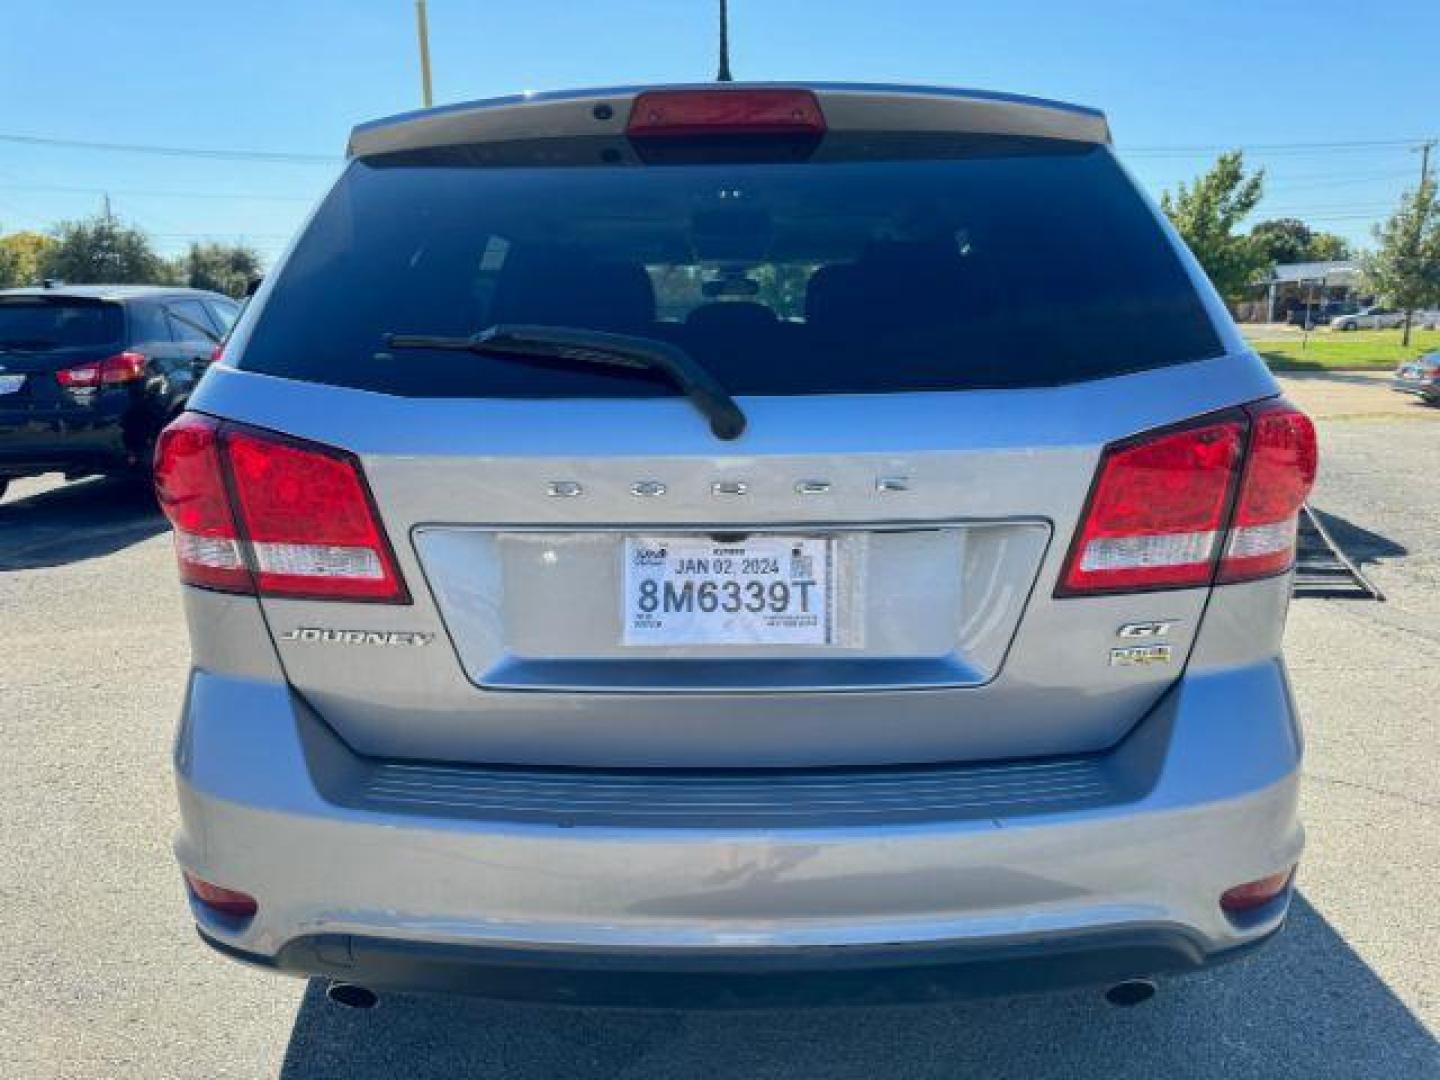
(308, 520)
(296, 513)
(1255, 894)
(1156, 511)
(1279, 472)
(1160, 514)
(191, 490)
(687, 113)
(121, 368)
(81, 377)
(230, 902)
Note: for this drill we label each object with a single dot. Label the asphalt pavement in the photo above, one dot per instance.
(103, 977)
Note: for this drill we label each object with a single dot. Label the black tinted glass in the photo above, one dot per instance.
(148, 324)
(222, 315)
(190, 321)
(986, 265)
(58, 325)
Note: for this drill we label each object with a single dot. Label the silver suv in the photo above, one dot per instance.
(721, 543)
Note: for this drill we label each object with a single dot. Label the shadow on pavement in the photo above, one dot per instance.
(1307, 1006)
(1358, 542)
(1315, 371)
(71, 522)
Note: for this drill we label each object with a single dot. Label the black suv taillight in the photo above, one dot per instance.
(123, 367)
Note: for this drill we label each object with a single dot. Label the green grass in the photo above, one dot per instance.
(1358, 350)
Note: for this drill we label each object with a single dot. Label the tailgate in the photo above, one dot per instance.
(949, 643)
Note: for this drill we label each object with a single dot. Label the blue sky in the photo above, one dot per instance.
(1179, 80)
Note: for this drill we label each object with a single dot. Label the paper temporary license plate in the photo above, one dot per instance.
(10, 384)
(763, 590)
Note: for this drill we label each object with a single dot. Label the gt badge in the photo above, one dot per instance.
(1154, 628)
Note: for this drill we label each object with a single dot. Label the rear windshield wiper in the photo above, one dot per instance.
(27, 343)
(573, 345)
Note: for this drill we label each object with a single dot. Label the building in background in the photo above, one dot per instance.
(1294, 290)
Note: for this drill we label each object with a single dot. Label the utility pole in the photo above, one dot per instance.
(723, 75)
(1424, 151)
(422, 27)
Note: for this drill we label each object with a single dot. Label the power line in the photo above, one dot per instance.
(1330, 212)
(1276, 148)
(216, 234)
(154, 193)
(261, 239)
(237, 154)
(1273, 189)
(1332, 182)
(1371, 216)
(1365, 204)
(1288, 169)
(174, 151)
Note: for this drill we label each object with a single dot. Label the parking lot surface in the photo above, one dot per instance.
(104, 978)
(1353, 395)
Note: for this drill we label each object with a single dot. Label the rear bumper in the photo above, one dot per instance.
(854, 975)
(1204, 797)
(73, 441)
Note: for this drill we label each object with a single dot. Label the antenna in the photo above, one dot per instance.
(723, 75)
(422, 28)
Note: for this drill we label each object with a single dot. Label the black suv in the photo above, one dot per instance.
(89, 374)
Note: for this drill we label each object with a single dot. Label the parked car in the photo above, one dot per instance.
(1369, 318)
(89, 374)
(909, 621)
(1320, 314)
(1421, 377)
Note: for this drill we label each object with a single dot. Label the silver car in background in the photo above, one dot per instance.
(1420, 377)
(728, 544)
(1369, 318)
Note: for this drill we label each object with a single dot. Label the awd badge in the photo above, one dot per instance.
(1140, 655)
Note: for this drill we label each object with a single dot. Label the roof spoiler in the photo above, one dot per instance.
(846, 107)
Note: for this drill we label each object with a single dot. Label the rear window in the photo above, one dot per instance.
(58, 324)
(983, 263)
(222, 314)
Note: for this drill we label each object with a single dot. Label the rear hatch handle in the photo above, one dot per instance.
(573, 345)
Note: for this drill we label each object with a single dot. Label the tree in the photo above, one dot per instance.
(1283, 240)
(1290, 240)
(1327, 247)
(9, 266)
(1206, 215)
(226, 268)
(21, 254)
(1405, 267)
(782, 286)
(103, 250)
